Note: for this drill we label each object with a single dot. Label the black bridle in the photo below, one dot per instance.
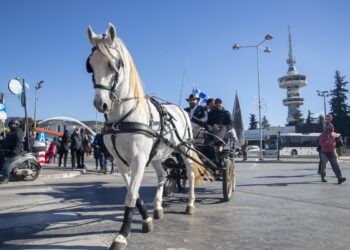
(118, 66)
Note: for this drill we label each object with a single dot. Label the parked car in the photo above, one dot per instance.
(253, 150)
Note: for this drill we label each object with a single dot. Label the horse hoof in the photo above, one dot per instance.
(158, 214)
(117, 246)
(190, 210)
(147, 226)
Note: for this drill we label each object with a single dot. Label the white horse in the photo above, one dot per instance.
(138, 131)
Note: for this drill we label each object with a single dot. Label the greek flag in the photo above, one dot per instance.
(203, 97)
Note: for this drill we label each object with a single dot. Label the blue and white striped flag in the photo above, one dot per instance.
(203, 97)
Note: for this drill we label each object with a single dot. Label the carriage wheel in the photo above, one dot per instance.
(228, 181)
(169, 185)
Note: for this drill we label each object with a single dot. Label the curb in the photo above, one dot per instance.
(61, 175)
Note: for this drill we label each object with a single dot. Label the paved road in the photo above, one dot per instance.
(275, 206)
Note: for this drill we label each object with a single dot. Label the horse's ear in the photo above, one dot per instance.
(111, 31)
(91, 35)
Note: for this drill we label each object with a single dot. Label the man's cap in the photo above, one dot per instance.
(218, 100)
(193, 96)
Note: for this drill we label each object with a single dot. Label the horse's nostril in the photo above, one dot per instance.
(104, 106)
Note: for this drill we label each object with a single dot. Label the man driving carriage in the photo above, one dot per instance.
(197, 113)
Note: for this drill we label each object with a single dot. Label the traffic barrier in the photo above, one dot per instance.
(41, 157)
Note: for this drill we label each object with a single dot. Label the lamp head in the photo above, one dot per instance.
(236, 46)
(267, 50)
(38, 85)
(268, 37)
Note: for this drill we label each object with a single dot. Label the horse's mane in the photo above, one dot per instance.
(134, 74)
(135, 81)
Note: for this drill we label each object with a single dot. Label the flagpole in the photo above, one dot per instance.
(183, 80)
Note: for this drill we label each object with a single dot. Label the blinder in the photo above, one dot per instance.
(116, 76)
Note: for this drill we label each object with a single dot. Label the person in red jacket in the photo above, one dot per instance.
(328, 153)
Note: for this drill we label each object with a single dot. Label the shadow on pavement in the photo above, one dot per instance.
(279, 184)
(75, 210)
(285, 176)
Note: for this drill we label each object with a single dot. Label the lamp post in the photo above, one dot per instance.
(323, 94)
(236, 46)
(37, 86)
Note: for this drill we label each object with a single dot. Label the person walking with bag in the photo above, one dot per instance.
(328, 153)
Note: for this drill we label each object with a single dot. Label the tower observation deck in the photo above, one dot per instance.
(292, 82)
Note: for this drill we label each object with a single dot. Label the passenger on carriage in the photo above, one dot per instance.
(209, 105)
(219, 121)
(197, 113)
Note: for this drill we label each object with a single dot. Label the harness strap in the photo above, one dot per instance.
(130, 127)
(116, 150)
(154, 150)
(140, 128)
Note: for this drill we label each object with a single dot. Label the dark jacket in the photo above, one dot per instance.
(198, 114)
(13, 143)
(75, 142)
(84, 141)
(220, 117)
(64, 145)
(100, 147)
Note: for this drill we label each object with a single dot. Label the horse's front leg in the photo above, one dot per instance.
(132, 199)
(158, 199)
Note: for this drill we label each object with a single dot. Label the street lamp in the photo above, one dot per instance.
(37, 86)
(266, 50)
(324, 94)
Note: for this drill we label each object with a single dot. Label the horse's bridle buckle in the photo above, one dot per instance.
(115, 126)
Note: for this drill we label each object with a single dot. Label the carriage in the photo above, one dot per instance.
(217, 159)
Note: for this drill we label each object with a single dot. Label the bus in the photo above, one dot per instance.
(293, 144)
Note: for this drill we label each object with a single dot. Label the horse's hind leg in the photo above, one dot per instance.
(190, 176)
(158, 200)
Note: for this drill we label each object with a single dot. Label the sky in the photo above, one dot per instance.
(174, 44)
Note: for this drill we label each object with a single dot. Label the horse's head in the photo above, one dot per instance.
(107, 67)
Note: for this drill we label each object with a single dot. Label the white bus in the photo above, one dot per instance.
(293, 144)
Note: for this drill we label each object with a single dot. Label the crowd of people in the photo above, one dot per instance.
(79, 144)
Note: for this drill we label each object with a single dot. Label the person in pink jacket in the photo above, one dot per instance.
(328, 153)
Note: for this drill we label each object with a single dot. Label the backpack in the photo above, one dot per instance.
(339, 142)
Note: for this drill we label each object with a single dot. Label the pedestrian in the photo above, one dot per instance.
(64, 148)
(328, 153)
(98, 152)
(75, 147)
(51, 152)
(84, 147)
(244, 149)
